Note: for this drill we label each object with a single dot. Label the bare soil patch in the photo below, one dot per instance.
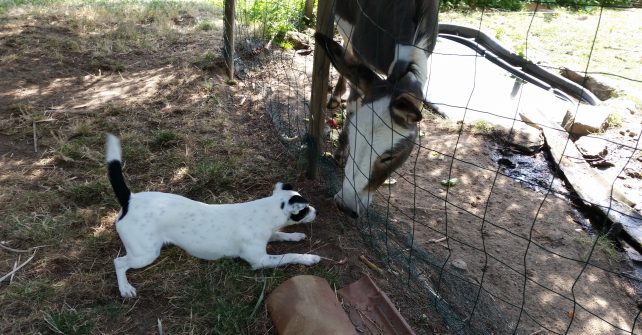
(156, 81)
(524, 246)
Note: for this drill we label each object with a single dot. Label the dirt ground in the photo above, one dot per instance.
(184, 130)
(525, 248)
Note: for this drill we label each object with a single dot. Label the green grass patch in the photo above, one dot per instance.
(96, 243)
(69, 322)
(165, 139)
(41, 228)
(209, 57)
(607, 246)
(219, 174)
(70, 151)
(88, 193)
(104, 63)
(84, 148)
(134, 150)
(600, 245)
(33, 291)
(205, 25)
(614, 120)
(481, 127)
(111, 311)
(287, 45)
(226, 295)
(332, 275)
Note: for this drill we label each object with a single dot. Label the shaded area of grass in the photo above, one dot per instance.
(187, 135)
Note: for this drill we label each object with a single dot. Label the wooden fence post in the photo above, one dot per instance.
(320, 72)
(228, 36)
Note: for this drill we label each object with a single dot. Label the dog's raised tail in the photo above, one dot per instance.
(115, 172)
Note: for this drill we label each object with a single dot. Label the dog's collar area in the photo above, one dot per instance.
(300, 215)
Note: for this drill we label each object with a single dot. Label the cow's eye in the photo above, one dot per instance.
(386, 158)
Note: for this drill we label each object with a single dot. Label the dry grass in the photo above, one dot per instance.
(182, 130)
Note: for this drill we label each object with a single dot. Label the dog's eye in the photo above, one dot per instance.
(300, 215)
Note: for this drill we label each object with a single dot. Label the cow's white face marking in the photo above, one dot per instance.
(381, 127)
(376, 146)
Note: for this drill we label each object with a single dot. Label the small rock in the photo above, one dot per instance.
(601, 163)
(299, 40)
(633, 134)
(600, 89)
(592, 147)
(633, 173)
(633, 254)
(524, 137)
(587, 120)
(459, 264)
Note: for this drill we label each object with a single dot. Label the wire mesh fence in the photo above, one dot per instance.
(483, 222)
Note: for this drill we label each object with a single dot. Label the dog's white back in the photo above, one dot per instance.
(149, 220)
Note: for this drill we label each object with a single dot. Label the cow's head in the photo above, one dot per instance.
(381, 126)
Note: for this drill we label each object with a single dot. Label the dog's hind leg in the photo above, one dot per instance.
(281, 236)
(125, 263)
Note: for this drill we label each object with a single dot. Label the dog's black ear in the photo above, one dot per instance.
(297, 199)
(287, 187)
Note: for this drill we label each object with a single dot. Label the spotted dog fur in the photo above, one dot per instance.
(149, 220)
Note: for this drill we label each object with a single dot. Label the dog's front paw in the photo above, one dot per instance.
(127, 291)
(308, 259)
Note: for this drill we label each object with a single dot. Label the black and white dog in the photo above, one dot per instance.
(149, 220)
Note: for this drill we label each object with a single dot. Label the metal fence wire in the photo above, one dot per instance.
(486, 236)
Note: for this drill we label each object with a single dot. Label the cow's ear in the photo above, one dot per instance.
(350, 67)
